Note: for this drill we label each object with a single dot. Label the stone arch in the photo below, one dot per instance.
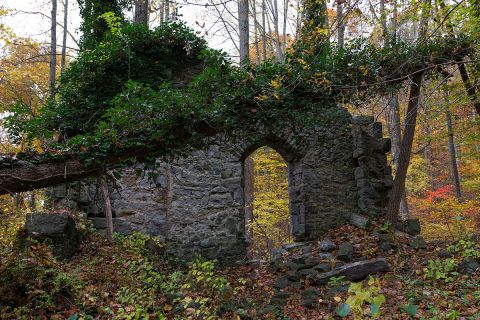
(291, 156)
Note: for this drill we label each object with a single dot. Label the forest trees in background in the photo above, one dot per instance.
(269, 225)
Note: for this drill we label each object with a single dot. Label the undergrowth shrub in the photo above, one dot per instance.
(33, 282)
(364, 301)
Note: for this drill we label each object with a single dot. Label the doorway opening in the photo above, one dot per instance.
(267, 214)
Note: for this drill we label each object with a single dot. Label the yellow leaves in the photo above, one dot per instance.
(322, 31)
(261, 97)
(275, 83)
(364, 70)
(303, 63)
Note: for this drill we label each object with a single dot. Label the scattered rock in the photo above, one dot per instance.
(326, 245)
(307, 273)
(282, 282)
(418, 242)
(255, 263)
(409, 226)
(307, 250)
(325, 256)
(359, 221)
(381, 236)
(280, 298)
(444, 254)
(277, 254)
(275, 266)
(57, 230)
(292, 246)
(292, 266)
(355, 271)
(323, 267)
(312, 262)
(345, 252)
(386, 246)
(468, 266)
(294, 275)
(310, 297)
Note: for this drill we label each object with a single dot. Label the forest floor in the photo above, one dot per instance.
(121, 280)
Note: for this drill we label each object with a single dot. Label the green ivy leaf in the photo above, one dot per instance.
(343, 310)
(374, 310)
(410, 309)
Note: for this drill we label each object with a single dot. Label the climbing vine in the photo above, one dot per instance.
(162, 91)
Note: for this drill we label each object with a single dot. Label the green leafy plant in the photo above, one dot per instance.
(359, 297)
(466, 249)
(443, 270)
(337, 281)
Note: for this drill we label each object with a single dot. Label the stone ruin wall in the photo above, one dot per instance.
(196, 204)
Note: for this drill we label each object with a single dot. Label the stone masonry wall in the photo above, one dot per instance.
(196, 203)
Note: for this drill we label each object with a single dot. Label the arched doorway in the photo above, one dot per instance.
(267, 213)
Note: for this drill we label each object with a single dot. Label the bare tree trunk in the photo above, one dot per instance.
(298, 20)
(249, 194)
(284, 33)
(64, 42)
(141, 12)
(340, 25)
(451, 147)
(396, 138)
(383, 22)
(409, 131)
(53, 48)
(405, 149)
(243, 27)
(394, 109)
(273, 7)
(167, 10)
(471, 89)
(255, 34)
(161, 9)
(107, 207)
(264, 31)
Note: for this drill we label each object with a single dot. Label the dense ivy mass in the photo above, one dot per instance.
(164, 90)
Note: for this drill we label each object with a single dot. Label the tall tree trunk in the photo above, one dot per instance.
(255, 33)
(451, 147)
(469, 87)
(141, 12)
(264, 31)
(396, 138)
(243, 27)
(409, 131)
(64, 40)
(393, 106)
(340, 25)
(383, 22)
(167, 10)
(284, 32)
(299, 20)
(405, 149)
(107, 207)
(53, 48)
(161, 11)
